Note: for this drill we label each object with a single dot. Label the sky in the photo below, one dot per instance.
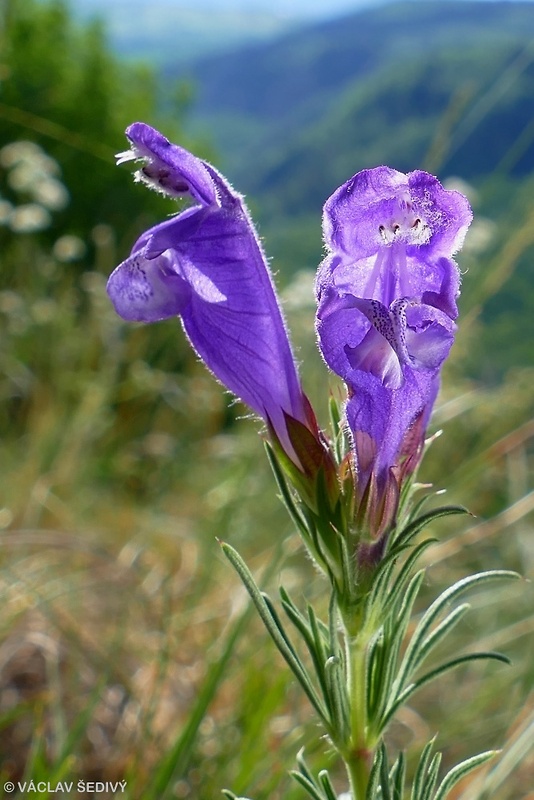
(291, 9)
(285, 8)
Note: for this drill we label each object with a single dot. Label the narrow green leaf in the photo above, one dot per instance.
(410, 596)
(403, 577)
(394, 633)
(333, 619)
(310, 787)
(385, 566)
(412, 656)
(305, 778)
(385, 782)
(405, 497)
(286, 494)
(419, 504)
(278, 622)
(374, 600)
(272, 625)
(323, 631)
(377, 661)
(295, 617)
(347, 559)
(318, 656)
(374, 776)
(384, 681)
(318, 638)
(303, 767)
(338, 700)
(431, 778)
(326, 783)
(327, 507)
(441, 631)
(317, 539)
(338, 438)
(430, 676)
(417, 525)
(398, 776)
(421, 771)
(460, 771)
(290, 607)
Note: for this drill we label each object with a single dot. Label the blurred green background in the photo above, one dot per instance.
(126, 648)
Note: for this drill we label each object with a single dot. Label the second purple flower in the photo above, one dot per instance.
(387, 293)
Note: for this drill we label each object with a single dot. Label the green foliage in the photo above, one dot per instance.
(358, 680)
(61, 87)
(389, 784)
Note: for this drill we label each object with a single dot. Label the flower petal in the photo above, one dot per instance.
(340, 327)
(445, 211)
(356, 334)
(429, 336)
(374, 354)
(392, 235)
(446, 295)
(168, 168)
(353, 214)
(386, 417)
(144, 290)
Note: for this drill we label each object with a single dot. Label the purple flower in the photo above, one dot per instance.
(206, 265)
(387, 293)
(392, 235)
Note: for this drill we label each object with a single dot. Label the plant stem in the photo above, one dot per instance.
(357, 756)
(358, 778)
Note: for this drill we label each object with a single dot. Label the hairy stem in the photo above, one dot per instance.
(358, 754)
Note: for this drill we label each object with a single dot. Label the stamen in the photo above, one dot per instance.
(126, 155)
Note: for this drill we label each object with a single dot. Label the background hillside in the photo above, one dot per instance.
(447, 86)
(301, 80)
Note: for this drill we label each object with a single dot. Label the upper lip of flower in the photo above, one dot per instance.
(381, 206)
(391, 235)
(168, 168)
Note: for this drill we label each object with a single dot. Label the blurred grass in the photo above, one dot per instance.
(122, 461)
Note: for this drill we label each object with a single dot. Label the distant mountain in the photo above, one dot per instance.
(338, 87)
